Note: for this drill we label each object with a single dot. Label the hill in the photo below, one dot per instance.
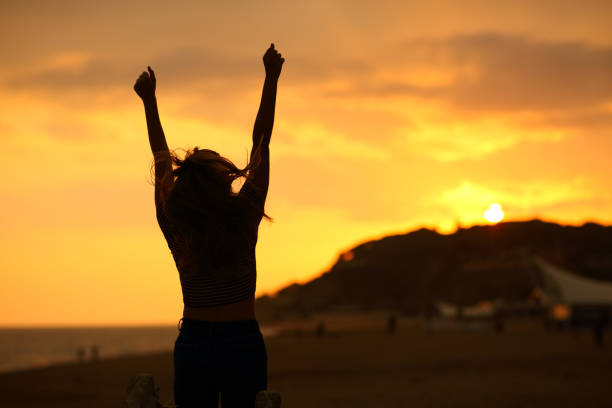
(408, 272)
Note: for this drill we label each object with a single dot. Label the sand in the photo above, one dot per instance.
(525, 366)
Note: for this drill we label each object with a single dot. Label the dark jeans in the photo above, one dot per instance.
(212, 358)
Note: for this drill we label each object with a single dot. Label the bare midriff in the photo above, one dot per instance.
(243, 310)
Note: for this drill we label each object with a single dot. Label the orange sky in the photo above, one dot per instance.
(390, 116)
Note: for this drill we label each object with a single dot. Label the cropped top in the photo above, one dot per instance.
(202, 290)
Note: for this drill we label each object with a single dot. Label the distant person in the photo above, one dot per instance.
(94, 353)
(80, 354)
(211, 232)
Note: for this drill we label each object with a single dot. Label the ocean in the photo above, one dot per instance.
(24, 348)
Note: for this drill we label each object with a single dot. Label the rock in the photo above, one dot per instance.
(268, 399)
(141, 392)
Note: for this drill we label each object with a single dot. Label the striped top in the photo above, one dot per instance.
(202, 290)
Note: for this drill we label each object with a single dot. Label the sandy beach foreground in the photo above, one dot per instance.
(525, 366)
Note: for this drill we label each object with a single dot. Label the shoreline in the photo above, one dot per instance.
(41, 347)
(74, 362)
(525, 365)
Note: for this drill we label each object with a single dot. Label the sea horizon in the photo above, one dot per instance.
(31, 347)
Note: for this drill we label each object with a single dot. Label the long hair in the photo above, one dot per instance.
(210, 222)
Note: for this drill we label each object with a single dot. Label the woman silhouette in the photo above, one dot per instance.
(211, 232)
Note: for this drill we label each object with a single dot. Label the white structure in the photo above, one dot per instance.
(562, 286)
(575, 299)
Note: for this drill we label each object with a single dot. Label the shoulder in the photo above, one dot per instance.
(253, 193)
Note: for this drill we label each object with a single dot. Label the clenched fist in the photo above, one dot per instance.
(273, 62)
(145, 84)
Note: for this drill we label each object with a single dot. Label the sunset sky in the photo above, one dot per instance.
(390, 116)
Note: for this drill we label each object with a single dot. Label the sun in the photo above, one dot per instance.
(494, 214)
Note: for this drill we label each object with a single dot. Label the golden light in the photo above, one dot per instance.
(348, 256)
(561, 312)
(494, 213)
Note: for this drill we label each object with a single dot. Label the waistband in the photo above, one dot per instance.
(195, 324)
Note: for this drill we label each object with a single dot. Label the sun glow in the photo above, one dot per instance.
(494, 214)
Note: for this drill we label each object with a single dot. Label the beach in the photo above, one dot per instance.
(525, 365)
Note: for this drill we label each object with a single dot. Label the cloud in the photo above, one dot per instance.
(79, 130)
(590, 118)
(5, 128)
(98, 73)
(469, 200)
(517, 73)
(449, 141)
(71, 71)
(495, 72)
(315, 141)
(93, 73)
(87, 202)
(478, 72)
(438, 95)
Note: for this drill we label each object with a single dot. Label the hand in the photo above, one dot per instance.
(145, 84)
(273, 62)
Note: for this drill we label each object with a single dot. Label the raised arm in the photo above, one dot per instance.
(145, 88)
(262, 130)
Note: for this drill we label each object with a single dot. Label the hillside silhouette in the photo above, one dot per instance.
(408, 272)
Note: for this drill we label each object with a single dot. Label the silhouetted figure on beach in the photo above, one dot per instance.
(80, 354)
(211, 232)
(94, 353)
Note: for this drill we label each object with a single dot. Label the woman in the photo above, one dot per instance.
(211, 232)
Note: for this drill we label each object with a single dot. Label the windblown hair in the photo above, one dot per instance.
(210, 223)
